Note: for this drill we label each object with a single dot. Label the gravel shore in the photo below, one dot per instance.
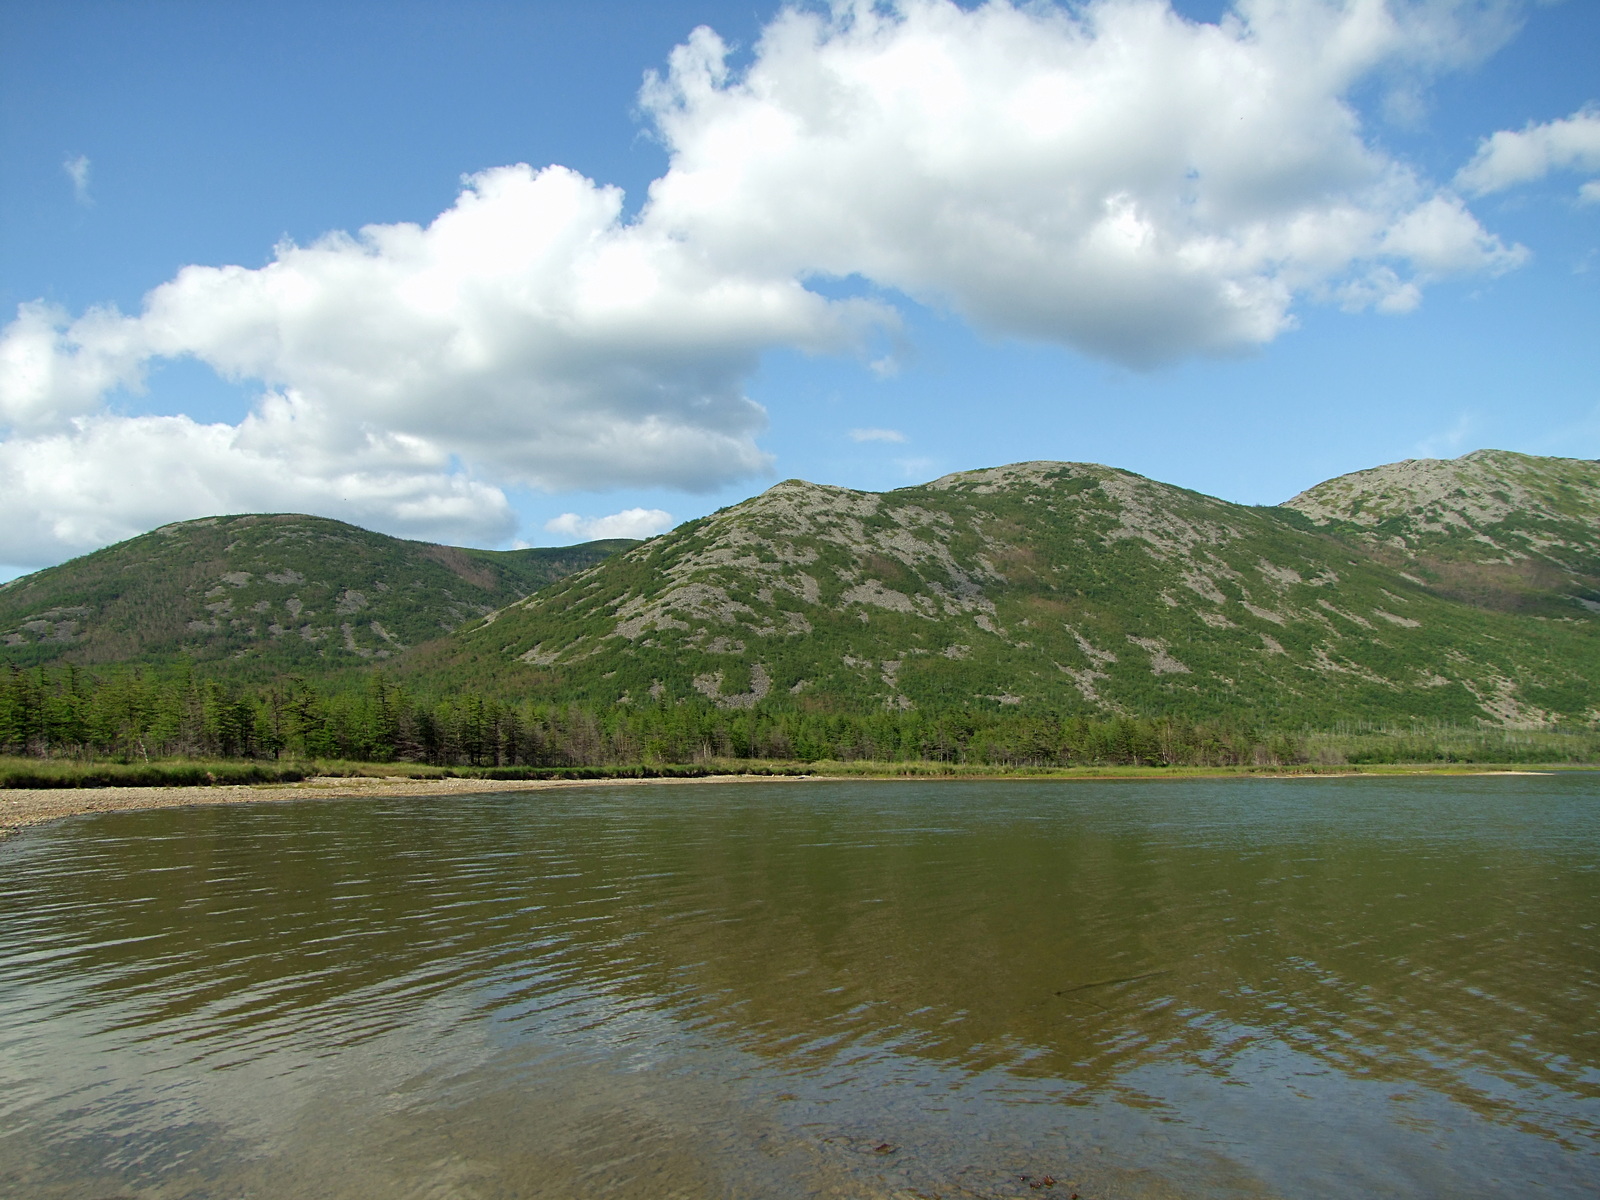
(20, 807)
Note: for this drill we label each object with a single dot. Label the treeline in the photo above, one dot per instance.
(131, 715)
(134, 716)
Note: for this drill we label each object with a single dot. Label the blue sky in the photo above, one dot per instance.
(1323, 264)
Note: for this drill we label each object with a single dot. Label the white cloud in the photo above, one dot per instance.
(77, 169)
(527, 332)
(629, 523)
(526, 329)
(1110, 177)
(876, 435)
(107, 477)
(1509, 158)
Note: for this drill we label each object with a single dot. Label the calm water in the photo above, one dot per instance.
(1336, 988)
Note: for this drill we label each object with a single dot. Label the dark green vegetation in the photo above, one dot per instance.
(75, 773)
(135, 717)
(1076, 589)
(129, 716)
(22, 772)
(256, 596)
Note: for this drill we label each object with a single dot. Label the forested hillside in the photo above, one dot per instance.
(1460, 592)
(256, 596)
(1072, 587)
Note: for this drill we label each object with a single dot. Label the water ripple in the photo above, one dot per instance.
(1156, 983)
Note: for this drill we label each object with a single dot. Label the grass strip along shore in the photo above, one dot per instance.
(27, 774)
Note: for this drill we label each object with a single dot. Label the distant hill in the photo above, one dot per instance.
(1084, 588)
(266, 594)
(1495, 528)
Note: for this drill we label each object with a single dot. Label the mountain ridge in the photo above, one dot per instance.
(1493, 527)
(262, 593)
(1444, 590)
(1075, 586)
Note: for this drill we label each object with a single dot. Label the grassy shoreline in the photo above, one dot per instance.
(30, 774)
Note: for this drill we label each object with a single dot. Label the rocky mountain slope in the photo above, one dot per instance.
(264, 594)
(1072, 586)
(1505, 530)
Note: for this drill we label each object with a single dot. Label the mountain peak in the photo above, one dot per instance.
(266, 592)
(1067, 586)
(1483, 487)
(1510, 530)
(1038, 473)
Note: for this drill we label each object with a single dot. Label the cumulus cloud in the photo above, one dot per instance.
(1508, 158)
(104, 478)
(876, 435)
(527, 332)
(629, 523)
(77, 169)
(1110, 177)
(526, 328)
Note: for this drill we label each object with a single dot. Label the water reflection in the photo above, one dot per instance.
(718, 988)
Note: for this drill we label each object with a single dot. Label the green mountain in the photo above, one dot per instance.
(1503, 530)
(266, 594)
(1072, 586)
